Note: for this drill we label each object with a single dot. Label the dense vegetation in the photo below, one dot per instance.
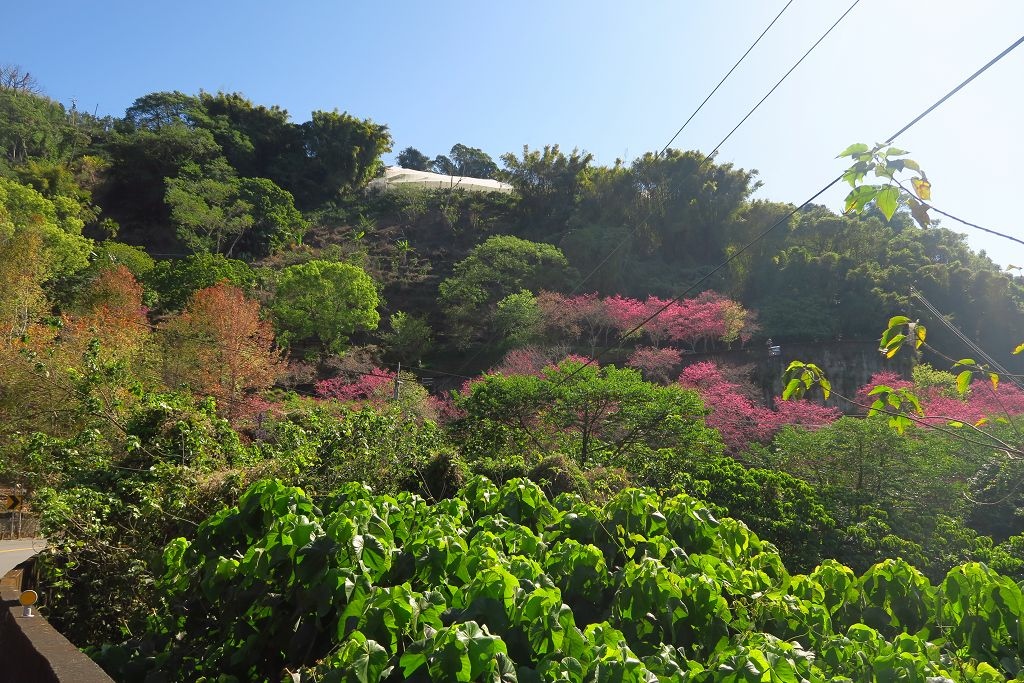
(503, 585)
(202, 316)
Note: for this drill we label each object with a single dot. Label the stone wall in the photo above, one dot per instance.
(847, 364)
(32, 651)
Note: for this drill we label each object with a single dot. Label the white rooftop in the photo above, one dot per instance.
(396, 176)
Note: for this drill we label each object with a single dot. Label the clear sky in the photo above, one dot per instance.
(613, 78)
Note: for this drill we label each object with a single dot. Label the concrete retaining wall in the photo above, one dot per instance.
(31, 651)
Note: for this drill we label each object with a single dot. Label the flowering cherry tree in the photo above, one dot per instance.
(740, 420)
(701, 322)
(940, 405)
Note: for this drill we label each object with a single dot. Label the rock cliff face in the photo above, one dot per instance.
(847, 364)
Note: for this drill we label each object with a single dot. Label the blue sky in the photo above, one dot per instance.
(616, 79)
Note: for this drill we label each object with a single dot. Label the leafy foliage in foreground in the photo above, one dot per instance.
(505, 585)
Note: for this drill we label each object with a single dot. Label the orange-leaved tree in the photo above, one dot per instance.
(110, 310)
(220, 346)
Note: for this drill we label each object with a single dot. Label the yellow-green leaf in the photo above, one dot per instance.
(963, 382)
(1017, 349)
(921, 333)
(994, 378)
(894, 346)
(922, 188)
(792, 389)
(981, 422)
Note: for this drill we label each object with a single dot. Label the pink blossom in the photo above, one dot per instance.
(738, 419)
(374, 386)
(981, 401)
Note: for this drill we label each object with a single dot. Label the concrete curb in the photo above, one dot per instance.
(34, 652)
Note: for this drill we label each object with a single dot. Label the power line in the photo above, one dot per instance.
(624, 241)
(937, 314)
(724, 78)
(714, 150)
(929, 206)
(785, 76)
(789, 215)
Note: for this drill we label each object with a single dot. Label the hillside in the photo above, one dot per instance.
(213, 339)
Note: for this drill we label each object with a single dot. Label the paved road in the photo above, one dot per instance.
(13, 553)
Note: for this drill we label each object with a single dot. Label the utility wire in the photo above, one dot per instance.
(724, 78)
(624, 241)
(937, 314)
(714, 151)
(784, 77)
(929, 206)
(784, 219)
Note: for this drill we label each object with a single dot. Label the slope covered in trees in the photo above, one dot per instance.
(199, 296)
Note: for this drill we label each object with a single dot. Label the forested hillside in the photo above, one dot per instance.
(237, 383)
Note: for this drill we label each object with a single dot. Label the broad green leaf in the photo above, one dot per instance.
(912, 399)
(793, 388)
(894, 346)
(856, 148)
(860, 197)
(898, 320)
(900, 423)
(895, 152)
(888, 200)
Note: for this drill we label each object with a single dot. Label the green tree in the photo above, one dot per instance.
(410, 338)
(517, 320)
(33, 126)
(500, 266)
(24, 212)
(327, 300)
(208, 212)
(258, 141)
(344, 153)
(215, 211)
(413, 159)
(141, 159)
(597, 416)
(465, 161)
(687, 203)
(175, 280)
(276, 221)
(162, 110)
(549, 184)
